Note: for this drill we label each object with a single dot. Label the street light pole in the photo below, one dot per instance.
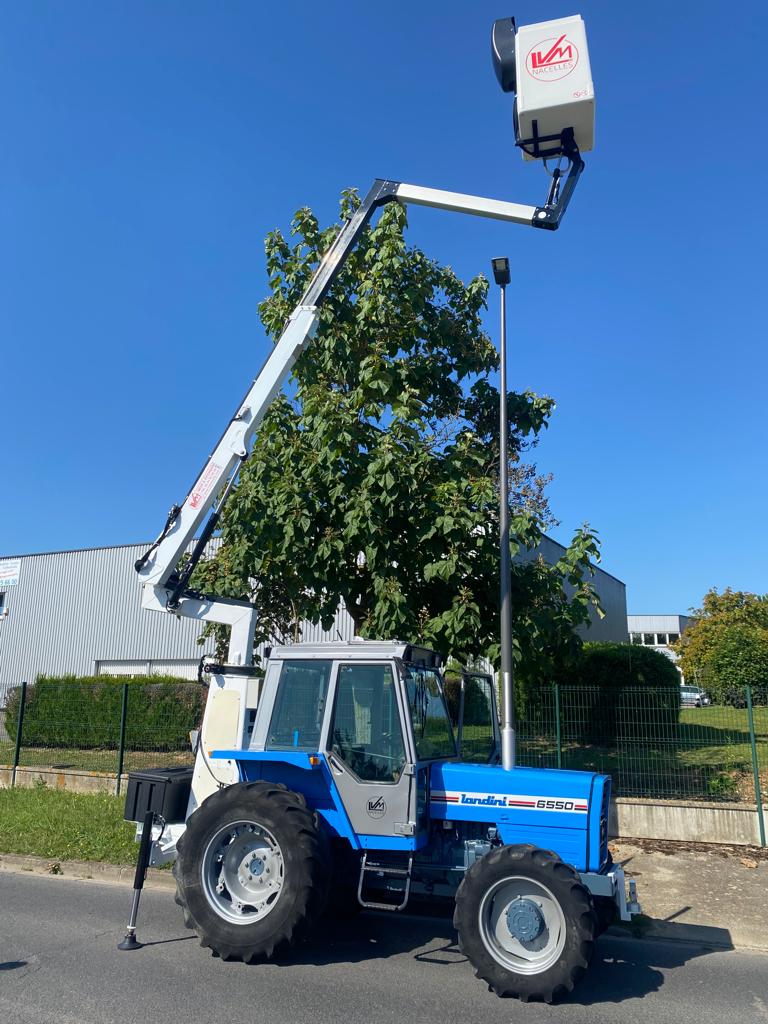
(502, 277)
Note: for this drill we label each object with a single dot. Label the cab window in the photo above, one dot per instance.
(298, 712)
(366, 733)
(432, 730)
(477, 737)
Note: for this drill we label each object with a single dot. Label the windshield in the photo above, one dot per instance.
(432, 732)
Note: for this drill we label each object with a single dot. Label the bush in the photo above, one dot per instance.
(735, 696)
(629, 691)
(83, 712)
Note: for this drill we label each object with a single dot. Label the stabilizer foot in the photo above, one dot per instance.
(130, 941)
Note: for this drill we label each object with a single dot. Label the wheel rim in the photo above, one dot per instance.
(242, 871)
(516, 955)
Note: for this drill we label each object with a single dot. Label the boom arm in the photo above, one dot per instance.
(166, 587)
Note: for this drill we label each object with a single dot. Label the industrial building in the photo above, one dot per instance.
(658, 631)
(79, 612)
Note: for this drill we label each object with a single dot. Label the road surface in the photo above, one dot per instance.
(59, 965)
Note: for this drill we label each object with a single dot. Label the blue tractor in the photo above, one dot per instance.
(352, 793)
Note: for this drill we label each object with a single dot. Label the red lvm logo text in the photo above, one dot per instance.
(556, 61)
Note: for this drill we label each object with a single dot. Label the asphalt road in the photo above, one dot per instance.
(59, 965)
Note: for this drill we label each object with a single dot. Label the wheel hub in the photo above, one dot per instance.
(522, 925)
(524, 919)
(243, 872)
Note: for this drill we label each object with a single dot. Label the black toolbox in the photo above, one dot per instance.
(162, 790)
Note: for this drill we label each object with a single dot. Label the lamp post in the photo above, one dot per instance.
(502, 278)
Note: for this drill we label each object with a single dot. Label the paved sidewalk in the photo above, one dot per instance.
(716, 895)
(712, 895)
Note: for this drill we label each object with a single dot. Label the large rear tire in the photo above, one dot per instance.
(525, 922)
(252, 871)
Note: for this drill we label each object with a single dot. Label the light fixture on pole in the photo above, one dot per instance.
(502, 278)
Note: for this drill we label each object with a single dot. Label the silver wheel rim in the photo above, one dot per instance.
(243, 872)
(532, 957)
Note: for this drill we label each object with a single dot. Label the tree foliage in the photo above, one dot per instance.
(374, 480)
(726, 648)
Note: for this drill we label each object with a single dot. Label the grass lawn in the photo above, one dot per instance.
(94, 760)
(65, 826)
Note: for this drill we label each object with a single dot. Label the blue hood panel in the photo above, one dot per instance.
(557, 810)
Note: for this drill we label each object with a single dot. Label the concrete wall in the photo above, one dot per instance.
(685, 821)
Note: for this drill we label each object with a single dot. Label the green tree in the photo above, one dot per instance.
(374, 479)
(726, 648)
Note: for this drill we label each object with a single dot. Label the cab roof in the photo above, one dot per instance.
(358, 650)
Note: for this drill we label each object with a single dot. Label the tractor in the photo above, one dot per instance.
(333, 779)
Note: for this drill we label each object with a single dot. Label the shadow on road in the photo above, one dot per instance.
(164, 942)
(623, 968)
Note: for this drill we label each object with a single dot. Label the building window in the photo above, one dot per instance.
(674, 637)
(635, 638)
(661, 639)
(648, 639)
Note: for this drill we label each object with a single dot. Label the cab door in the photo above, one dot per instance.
(366, 750)
(478, 725)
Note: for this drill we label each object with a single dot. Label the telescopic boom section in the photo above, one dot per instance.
(166, 585)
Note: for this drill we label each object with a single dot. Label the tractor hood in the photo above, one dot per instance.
(561, 810)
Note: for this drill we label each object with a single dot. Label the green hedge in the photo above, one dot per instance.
(83, 712)
(629, 692)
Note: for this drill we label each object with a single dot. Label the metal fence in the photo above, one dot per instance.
(110, 727)
(651, 746)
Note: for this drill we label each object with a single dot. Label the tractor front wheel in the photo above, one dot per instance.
(252, 871)
(525, 922)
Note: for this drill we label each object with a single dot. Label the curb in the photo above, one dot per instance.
(85, 870)
(710, 936)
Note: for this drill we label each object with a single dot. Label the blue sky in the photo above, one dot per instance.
(149, 146)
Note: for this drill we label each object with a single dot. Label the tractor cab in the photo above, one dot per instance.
(367, 718)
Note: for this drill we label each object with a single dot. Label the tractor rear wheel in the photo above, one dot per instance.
(525, 922)
(252, 871)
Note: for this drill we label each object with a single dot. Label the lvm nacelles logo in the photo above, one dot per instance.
(552, 59)
(376, 807)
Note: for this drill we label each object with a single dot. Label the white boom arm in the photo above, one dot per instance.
(165, 584)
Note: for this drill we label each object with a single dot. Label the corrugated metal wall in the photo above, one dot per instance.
(78, 611)
(72, 609)
(613, 598)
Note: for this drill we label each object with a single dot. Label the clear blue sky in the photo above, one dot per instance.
(147, 148)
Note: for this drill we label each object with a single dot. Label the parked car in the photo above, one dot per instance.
(693, 696)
